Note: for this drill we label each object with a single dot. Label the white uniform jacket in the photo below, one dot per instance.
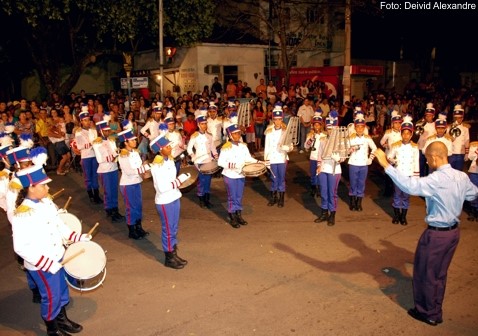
(390, 137)
(201, 148)
(428, 130)
(273, 150)
(313, 142)
(406, 158)
(177, 143)
(473, 155)
(151, 129)
(131, 167)
(84, 142)
(461, 144)
(233, 157)
(214, 126)
(329, 166)
(367, 146)
(446, 139)
(106, 154)
(165, 182)
(39, 234)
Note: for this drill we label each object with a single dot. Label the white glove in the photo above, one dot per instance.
(147, 167)
(55, 267)
(369, 161)
(183, 177)
(85, 237)
(61, 211)
(335, 156)
(285, 148)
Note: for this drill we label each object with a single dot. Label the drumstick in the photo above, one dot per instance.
(67, 204)
(93, 228)
(58, 193)
(74, 255)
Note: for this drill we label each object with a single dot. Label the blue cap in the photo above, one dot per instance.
(32, 175)
(83, 115)
(126, 135)
(18, 154)
(169, 118)
(4, 150)
(458, 110)
(330, 122)
(102, 126)
(158, 143)
(233, 128)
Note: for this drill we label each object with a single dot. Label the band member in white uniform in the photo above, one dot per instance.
(176, 139)
(440, 135)
(428, 130)
(390, 137)
(461, 144)
(312, 142)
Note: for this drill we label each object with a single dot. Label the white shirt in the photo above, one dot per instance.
(446, 139)
(177, 143)
(233, 157)
(361, 155)
(473, 155)
(165, 182)
(306, 112)
(313, 141)
(272, 148)
(214, 126)
(151, 129)
(389, 138)
(428, 130)
(131, 167)
(84, 142)
(201, 148)
(105, 152)
(462, 142)
(406, 157)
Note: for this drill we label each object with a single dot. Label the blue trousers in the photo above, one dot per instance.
(401, 200)
(169, 214)
(90, 176)
(235, 191)
(457, 161)
(178, 166)
(433, 256)
(53, 290)
(278, 176)
(357, 177)
(109, 182)
(204, 183)
(329, 184)
(133, 202)
(314, 178)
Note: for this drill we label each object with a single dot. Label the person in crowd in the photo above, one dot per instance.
(440, 135)
(391, 136)
(473, 175)
(57, 136)
(167, 199)
(305, 113)
(461, 143)
(175, 139)
(445, 190)
(312, 143)
(151, 129)
(428, 129)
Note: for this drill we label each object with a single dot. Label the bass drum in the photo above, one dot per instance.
(87, 271)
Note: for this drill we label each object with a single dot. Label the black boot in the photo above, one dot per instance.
(109, 213)
(36, 297)
(133, 232)
(396, 216)
(207, 197)
(239, 218)
(323, 215)
(358, 203)
(171, 261)
(181, 260)
(116, 216)
(280, 202)
(403, 217)
(233, 221)
(52, 329)
(139, 229)
(352, 203)
(201, 202)
(91, 196)
(273, 199)
(65, 324)
(331, 219)
(96, 197)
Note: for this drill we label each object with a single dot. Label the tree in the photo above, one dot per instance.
(73, 34)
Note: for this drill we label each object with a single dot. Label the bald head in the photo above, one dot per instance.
(436, 155)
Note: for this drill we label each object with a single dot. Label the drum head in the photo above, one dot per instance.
(71, 221)
(209, 168)
(88, 264)
(254, 169)
(190, 181)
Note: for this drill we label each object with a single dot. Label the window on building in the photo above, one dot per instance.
(230, 72)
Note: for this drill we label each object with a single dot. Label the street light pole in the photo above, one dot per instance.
(346, 80)
(128, 66)
(161, 54)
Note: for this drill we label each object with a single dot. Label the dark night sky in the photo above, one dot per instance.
(452, 32)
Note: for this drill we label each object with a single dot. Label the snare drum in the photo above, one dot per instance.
(87, 271)
(71, 221)
(254, 169)
(209, 168)
(190, 181)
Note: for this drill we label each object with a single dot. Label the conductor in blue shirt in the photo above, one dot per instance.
(444, 190)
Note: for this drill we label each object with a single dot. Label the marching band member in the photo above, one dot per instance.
(226, 119)
(106, 154)
(404, 155)
(151, 129)
(329, 172)
(130, 183)
(202, 150)
(461, 144)
(84, 137)
(176, 140)
(362, 147)
(440, 135)
(275, 153)
(233, 156)
(473, 174)
(167, 199)
(351, 127)
(390, 137)
(38, 237)
(428, 130)
(214, 124)
(312, 142)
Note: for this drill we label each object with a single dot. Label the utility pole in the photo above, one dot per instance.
(346, 79)
(161, 54)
